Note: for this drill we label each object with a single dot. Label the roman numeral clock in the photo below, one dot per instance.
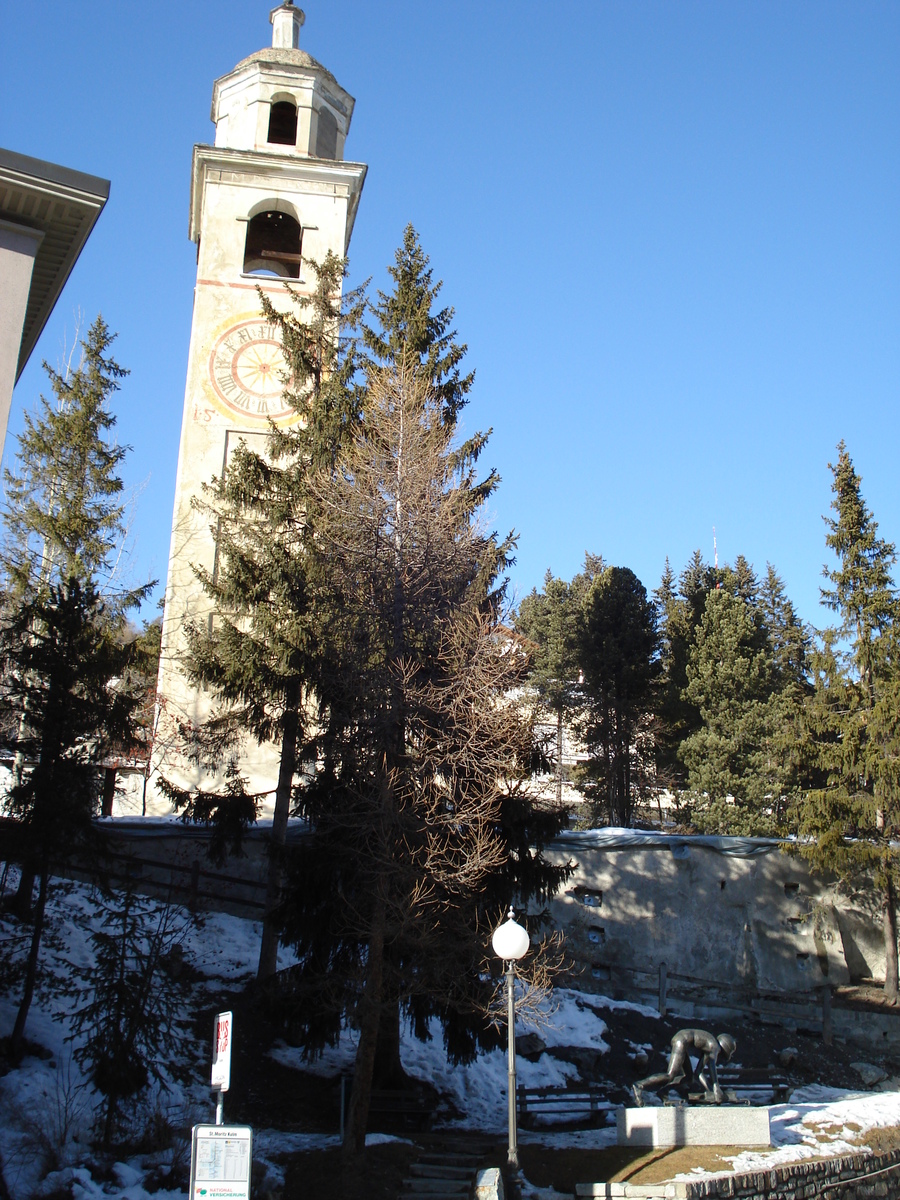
(272, 193)
(247, 371)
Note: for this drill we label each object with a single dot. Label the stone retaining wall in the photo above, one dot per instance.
(854, 1177)
(734, 916)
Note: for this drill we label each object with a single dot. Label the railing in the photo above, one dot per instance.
(663, 985)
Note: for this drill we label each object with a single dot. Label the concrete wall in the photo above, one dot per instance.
(736, 912)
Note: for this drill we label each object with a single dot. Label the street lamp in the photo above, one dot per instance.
(510, 942)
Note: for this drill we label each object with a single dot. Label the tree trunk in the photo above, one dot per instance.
(889, 911)
(109, 792)
(4, 1190)
(109, 1124)
(18, 1033)
(22, 904)
(370, 1014)
(388, 1071)
(559, 755)
(268, 950)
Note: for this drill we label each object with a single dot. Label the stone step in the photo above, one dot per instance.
(473, 1142)
(450, 1160)
(434, 1187)
(465, 1194)
(448, 1193)
(442, 1170)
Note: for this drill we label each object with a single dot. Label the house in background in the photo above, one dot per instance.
(47, 213)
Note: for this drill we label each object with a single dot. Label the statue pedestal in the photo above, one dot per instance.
(709, 1125)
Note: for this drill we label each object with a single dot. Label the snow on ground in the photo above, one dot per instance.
(820, 1121)
(47, 1106)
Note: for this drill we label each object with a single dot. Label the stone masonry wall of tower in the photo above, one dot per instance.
(259, 207)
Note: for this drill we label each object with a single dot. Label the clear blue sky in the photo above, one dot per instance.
(670, 231)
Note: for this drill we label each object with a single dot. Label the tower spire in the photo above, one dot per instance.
(286, 22)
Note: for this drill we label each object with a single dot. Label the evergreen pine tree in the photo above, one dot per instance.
(64, 515)
(549, 621)
(617, 650)
(741, 580)
(734, 783)
(407, 329)
(133, 1005)
(790, 647)
(849, 821)
(60, 644)
(680, 611)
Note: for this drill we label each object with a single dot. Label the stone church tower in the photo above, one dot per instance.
(272, 192)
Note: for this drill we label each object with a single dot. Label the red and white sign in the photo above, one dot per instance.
(221, 1065)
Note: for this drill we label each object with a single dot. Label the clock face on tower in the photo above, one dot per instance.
(247, 371)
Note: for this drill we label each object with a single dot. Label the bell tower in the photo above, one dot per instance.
(271, 194)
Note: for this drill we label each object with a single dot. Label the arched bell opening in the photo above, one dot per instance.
(273, 245)
(282, 124)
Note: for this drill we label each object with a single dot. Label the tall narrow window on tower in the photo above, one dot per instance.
(282, 124)
(273, 245)
(326, 137)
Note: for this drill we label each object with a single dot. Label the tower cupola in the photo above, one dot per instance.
(280, 99)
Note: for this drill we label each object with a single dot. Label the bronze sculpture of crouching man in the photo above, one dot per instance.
(706, 1049)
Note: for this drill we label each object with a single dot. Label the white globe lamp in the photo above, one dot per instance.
(510, 940)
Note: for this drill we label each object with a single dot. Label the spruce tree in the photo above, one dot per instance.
(680, 611)
(406, 326)
(746, 677)
(64, 514)
(790, 648)
(849, 820)
(617, 649)
(60, 639)
(130, 1005)
(407, 329)
(734, 786)
(549, 621)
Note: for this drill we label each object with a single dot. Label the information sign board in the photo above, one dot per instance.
(221, 1057)
(220, 1162)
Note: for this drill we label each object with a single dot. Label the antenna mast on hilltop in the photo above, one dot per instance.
(715, 550)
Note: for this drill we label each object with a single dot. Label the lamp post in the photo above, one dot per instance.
(511, 942)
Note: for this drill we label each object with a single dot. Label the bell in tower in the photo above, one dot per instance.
(271, 194)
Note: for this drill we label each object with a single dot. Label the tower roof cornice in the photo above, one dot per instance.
(281, 172)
